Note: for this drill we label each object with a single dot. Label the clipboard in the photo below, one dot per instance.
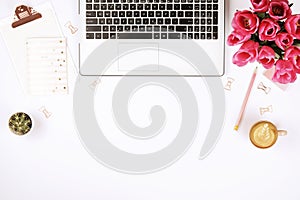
(28, 24)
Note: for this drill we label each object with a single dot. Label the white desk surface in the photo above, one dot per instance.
(51, 162)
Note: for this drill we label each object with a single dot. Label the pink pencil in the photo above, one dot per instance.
(236, 127)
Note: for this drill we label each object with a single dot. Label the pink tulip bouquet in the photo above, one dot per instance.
(270, 34)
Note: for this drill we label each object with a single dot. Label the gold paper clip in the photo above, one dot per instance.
(229, 83)
(266, 89)
(25, 14)
(268, 109)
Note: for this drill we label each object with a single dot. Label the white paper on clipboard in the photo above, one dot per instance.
(16, 38)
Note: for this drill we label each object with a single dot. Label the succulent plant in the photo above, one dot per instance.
(20, 123)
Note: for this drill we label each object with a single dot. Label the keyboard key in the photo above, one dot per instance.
(156, 28)
(152, 21)
(103, 6)
(174, 35)
(125, 6)
(209, 7)
(128, 13)
(180, 13)
(164, 36)
(215, 17)
(111, 7)
(151, 14)
(105, 28)
(145, 21)
(215, 29)
(181, 28)
(108, 21)
(98, 35)
(114, 14)
(138, 21)
(202, 36)
(190, 35)
(116, 21)
(93, 28)
(89, 6)
(158, 13)
(154, 6)
(122, 14)
(171, 28)
(134, 35)
(169, 6)
(142, 28)
(112, 28)
(144, 13)
(90, 36)
(215, 7)
(134, 28)
(185, 21)
(112, 36)
(190, 29)
(209, 36)
(89, 1)
(120, 28)
(131, 21)
(188, 14)
(92, 21)
(140, 7)
(166, 13)
(105, 35)
(215, 36)
(127, 28)
(147, 7)
(160, 21)
(209, 14)
(164, 29)
(196, 14)
(196, 36)
(197, 29)
(101, 21)
(186, 6)
(209, 21)
(162, 6)
(107, 13)
(132, 6)
(183, 35)
(90, 14)
(173, 14)
(123, 21)
(118, 6)
(136, 14)
(174, 21)
(167, 21)
(100, 14)
(96, 6)
(176, 6)
(149, 28)
(156, 36)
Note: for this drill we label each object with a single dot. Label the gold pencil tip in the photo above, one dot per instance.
(236, 128)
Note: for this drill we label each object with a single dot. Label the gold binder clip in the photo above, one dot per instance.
(25, 14)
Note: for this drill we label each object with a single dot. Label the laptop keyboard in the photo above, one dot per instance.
(152, 19)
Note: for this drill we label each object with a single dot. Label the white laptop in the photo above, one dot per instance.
(144, 37)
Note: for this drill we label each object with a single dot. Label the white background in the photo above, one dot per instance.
(51, 163)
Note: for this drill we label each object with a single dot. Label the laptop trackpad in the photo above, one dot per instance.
(138, 57)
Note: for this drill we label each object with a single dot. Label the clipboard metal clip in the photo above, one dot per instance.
(25, 14)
